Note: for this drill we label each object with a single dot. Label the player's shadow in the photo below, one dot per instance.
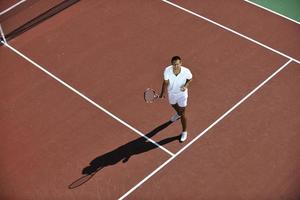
(124, 152)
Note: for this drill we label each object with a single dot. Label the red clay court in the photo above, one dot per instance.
(72, 102)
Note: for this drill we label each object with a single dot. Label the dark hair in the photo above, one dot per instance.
(174, 58)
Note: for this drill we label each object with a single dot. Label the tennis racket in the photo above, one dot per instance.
(150, 95)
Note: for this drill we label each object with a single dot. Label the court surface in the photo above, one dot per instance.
(72, 101)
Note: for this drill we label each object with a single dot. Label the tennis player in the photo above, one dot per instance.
(177, 79)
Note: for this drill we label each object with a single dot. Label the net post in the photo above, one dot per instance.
(3, 40)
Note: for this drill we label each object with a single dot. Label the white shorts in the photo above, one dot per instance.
(178, 98)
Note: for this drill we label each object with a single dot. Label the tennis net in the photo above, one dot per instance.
(17, 17)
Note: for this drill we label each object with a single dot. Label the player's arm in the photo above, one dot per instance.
(188, 81)
(164, 88)
(186, 85)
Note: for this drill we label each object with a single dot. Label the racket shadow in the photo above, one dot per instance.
(122, 153)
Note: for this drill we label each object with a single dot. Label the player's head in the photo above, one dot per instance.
(176, 62)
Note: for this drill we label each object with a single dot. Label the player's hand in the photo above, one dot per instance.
(183, 88)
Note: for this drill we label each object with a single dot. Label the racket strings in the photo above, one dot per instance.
(149, 95)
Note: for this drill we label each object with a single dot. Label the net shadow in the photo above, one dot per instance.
(21, 28)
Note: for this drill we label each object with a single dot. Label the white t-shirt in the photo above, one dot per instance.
(176, 82)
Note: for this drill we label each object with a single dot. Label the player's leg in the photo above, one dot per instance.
(181, 112)
(173, 102)
(177, 115)
(182, 103)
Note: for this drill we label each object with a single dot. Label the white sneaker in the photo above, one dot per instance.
(175, 117)
(183, 136)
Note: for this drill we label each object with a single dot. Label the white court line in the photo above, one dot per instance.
(12, 7)
(203, 132)
(86, 98)
(231, 30)
(2, 34)
(272, 11)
